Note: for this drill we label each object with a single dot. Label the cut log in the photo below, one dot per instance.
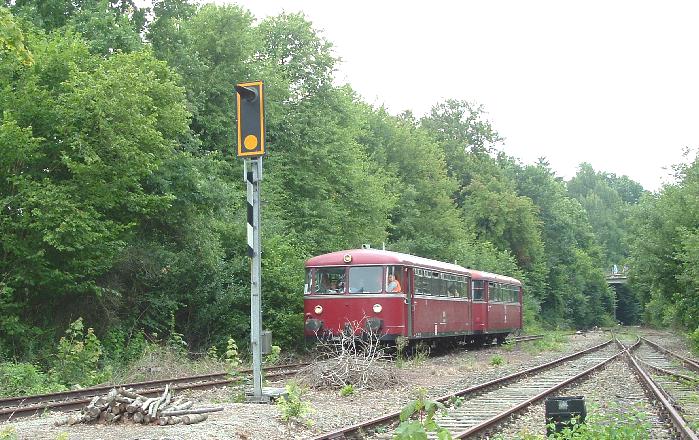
(192, 411)
(138, 417)
(129, 393)
(193, 418)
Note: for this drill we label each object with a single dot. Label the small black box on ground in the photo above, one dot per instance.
(561, 410)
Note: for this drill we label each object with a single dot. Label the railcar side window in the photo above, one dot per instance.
(397, 272)
(329, 280)
(422, 282)
(478, 290)
(366, 279)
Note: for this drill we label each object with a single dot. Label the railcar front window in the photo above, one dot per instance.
(307, 284)
(329, 280)
(365, 279)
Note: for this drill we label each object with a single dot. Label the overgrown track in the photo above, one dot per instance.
(487, 404)
(672, 380)
(524, 338)
(16, 407)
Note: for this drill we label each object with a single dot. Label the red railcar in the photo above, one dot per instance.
(430, 300)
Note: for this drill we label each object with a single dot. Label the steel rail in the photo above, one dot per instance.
(385, 419)
(95, 391)
(668, 372)
(78, 399)
(490, 423)
(676, 418)
(692, 365)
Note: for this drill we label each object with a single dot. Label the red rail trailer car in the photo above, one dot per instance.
(431, 300)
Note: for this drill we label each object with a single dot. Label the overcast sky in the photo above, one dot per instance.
(612, 83)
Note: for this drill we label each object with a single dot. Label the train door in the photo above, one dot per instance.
(479, 306)
(495, 310)
(409, 289)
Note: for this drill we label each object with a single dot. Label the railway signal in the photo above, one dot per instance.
(251, 147)
(251, 119)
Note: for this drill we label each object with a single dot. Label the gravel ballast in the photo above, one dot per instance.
(438, 375)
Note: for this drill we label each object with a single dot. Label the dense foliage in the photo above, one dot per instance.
(121, 201)
(665, 252)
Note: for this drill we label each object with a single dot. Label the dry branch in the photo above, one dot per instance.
(355, 357)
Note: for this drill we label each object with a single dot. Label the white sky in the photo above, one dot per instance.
(612, 83)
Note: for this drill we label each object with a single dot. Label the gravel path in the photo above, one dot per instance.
(330, 411)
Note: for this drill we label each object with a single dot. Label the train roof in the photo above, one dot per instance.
(377, 256)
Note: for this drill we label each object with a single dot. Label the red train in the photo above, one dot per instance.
(397, 294)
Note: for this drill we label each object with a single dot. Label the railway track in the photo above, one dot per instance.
(672, 380)
(524, 338)
(25, 406)
(485, 405)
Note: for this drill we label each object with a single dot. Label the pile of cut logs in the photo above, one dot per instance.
(125, 404)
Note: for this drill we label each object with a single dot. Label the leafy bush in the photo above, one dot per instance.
(273, 357)
(232, 356)
(21, 379)
(347, 390)
(8, 433)
(694, 340)
(497, 360)
(292, 407)
(121, 348)
(77, 358)
(417, 419)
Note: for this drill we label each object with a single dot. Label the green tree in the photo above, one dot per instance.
(12, 38)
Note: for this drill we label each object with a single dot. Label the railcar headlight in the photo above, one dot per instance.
(377, 308)
(318, 309)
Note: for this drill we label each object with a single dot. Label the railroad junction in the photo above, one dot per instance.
(610, 388)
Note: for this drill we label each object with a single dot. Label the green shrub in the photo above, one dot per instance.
(292, 407)
(273, 357)
(417, 419)
(21, 379)
(497, 360)
(8, 433)
(77, 358)
(694, 340)
(347, 390)
(121, 347)
(232, 356)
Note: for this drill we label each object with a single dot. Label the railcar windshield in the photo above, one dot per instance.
(329, 280)
(365, 279)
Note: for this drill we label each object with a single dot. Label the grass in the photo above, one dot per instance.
(158, 362)
(552, 341)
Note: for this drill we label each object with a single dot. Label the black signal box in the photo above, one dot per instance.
(251, 119)
(561, 411)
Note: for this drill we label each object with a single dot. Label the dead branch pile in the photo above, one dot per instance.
(354, 358)
(125, 404)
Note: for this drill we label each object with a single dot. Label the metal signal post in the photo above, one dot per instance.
(251, 147)
(253, 176)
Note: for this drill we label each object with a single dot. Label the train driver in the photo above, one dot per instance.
(393, 284)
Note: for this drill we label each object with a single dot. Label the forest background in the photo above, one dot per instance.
(122, 203)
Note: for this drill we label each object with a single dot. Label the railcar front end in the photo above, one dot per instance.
(353, 291)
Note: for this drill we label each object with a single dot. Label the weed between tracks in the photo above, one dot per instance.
(614, 423)
(553, 341)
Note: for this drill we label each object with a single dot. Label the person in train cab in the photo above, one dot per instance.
(333, 287)
(393, 284)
